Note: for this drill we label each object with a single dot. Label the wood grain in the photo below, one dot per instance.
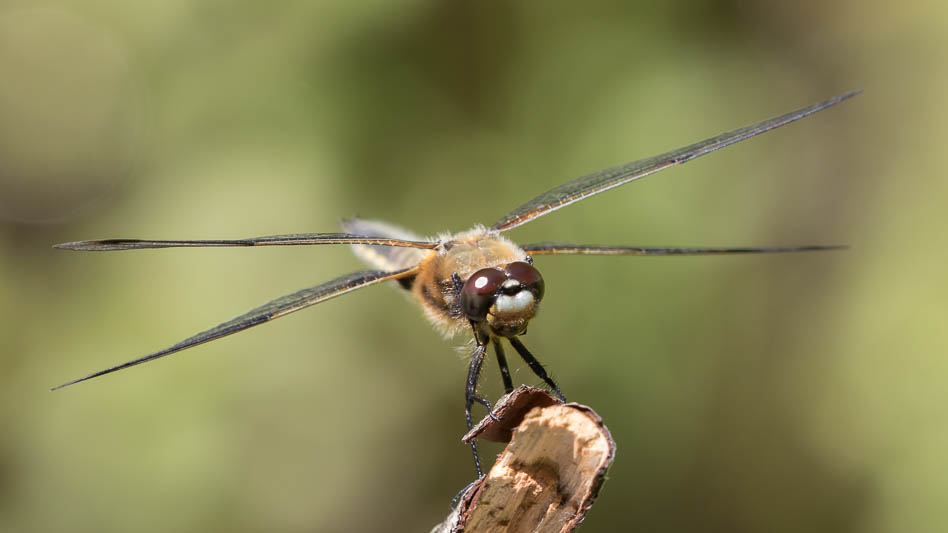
(548, 476)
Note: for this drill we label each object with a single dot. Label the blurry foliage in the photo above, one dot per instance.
(783, 393)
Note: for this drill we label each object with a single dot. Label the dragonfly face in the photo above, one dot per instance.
(503, 299)
(478, 280)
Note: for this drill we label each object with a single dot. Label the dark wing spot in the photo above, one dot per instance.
(407, 283)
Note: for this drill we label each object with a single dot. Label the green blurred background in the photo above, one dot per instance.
(775, 393)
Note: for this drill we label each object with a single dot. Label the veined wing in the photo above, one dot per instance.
(297, 239)
(265, 313)
(551, 248)
(586, 186)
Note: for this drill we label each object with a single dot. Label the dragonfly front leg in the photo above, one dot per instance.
(536, 366)
(470, 397)
(481, 339)
(502, 362)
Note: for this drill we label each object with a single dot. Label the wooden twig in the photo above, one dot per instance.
(547, 477)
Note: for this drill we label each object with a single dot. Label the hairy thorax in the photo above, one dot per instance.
(464, 254)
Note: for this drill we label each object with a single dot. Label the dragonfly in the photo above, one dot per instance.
(478, 280)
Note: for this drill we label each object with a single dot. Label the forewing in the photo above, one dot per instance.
(298, 239)
(586, 186)
(265, 313)
(549, 248)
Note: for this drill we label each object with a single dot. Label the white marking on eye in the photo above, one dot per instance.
(480, 282)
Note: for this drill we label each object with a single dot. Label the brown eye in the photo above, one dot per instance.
(528, 277)
(479, 292)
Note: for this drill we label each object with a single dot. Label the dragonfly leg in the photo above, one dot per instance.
(535, 366)
(481, 339)
(477, 361)
(473, 374)
(470, 397)
(502, 362)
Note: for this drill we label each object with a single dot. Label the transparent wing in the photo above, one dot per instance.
(297, 239)
(586, 186)
(551, 248)
(265, 313)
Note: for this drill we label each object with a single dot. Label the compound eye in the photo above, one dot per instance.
(479, 292)
(528, 277)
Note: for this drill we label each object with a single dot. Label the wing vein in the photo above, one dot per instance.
(299, 239)
(597, 182)
(550, 248)
(271, 310)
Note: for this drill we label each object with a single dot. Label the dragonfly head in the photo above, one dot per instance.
(503, 299)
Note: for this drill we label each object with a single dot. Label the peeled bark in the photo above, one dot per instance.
(548, 476)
